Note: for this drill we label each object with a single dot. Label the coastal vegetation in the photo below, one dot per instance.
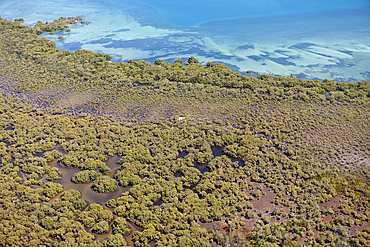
(209, 157)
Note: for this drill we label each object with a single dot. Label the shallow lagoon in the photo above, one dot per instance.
(316, 39)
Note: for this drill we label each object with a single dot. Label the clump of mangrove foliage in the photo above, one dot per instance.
(209, 157)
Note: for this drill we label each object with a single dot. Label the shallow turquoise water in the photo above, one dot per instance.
(310, 39)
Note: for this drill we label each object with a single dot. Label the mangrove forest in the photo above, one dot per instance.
(98, 153)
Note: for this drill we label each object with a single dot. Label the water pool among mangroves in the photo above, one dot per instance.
(87, 193)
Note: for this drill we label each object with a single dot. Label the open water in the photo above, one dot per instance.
(314, 39)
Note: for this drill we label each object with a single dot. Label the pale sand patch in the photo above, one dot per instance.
(123, 53)
(210, 45)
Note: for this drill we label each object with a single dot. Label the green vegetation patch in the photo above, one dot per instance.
(104, 184)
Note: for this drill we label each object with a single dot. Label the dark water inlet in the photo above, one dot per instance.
(21, 175)
(112, 164)
(202, 167)
(10, 127)
(183, 154)
(216, 152)
(57, 148)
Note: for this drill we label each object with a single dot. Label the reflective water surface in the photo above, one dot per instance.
(310, 39)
